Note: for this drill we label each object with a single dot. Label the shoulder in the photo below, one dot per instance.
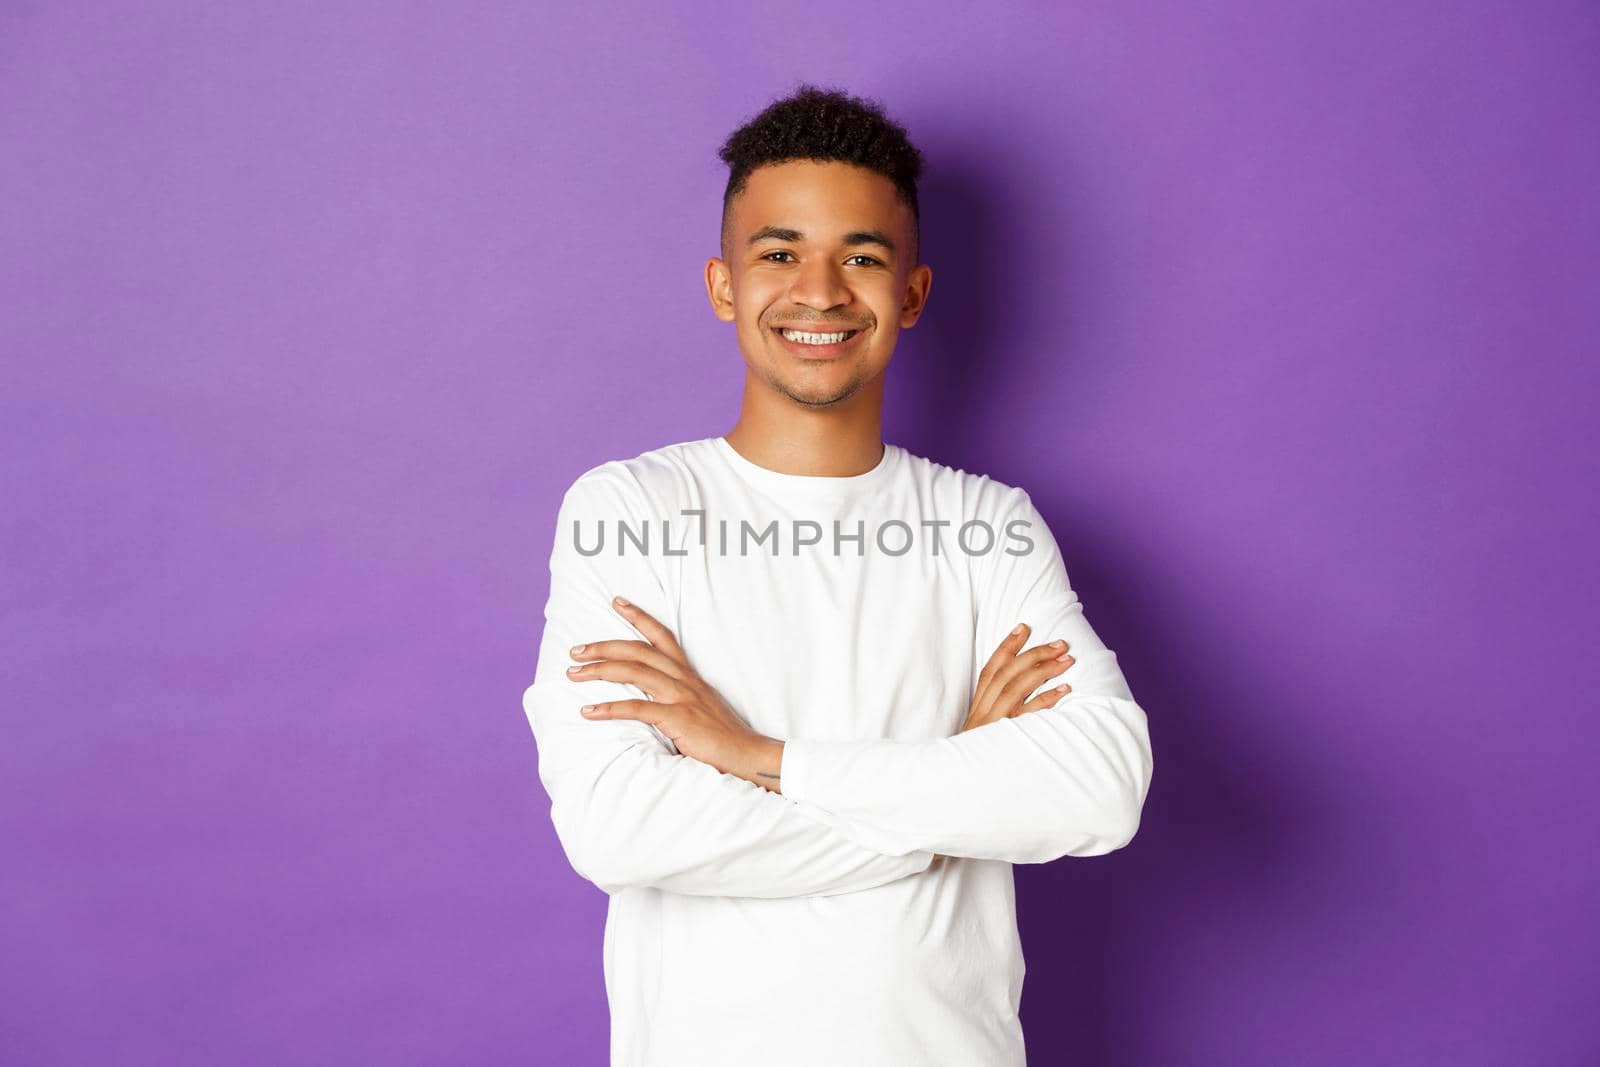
(637, 484)
(977, 496)
(995, 521)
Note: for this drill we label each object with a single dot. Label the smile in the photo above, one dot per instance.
(807, 337)
(813, 344)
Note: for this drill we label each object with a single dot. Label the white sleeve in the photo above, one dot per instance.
(627, 808)
(1068, 780)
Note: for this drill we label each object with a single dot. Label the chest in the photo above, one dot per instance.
(831, 640)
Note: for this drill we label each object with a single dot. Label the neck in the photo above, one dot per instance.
(836, 441)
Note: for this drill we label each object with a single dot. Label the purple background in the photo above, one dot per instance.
(1286, 315)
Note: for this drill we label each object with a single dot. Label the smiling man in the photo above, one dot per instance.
(848, 688)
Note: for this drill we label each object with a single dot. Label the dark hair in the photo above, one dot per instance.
(825, 125)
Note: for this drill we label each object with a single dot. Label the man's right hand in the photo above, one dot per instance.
(1010, 675)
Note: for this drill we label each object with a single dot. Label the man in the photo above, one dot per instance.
(813, 739)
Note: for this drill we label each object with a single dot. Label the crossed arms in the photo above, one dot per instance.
(629, 810)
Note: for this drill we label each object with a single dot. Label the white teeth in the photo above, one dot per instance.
(815, 338)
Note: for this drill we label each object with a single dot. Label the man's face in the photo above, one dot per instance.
(823, 247)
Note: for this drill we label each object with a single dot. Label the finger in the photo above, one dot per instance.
(1027, 681)
(1004, 652)
(1047, 699)
(1025, 661)
(636, 651)
(653, 631)
(637, 710)
(991, 703)
(659, 686)
(1023, 682)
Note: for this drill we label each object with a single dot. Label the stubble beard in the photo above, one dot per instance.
(818, 397)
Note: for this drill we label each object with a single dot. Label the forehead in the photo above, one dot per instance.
(821, 199)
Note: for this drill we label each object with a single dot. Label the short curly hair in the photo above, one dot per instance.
(823, 124)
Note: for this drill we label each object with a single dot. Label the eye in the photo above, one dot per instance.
(859, 255)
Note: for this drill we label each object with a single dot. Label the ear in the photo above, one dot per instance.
(918, 284)
(719, 288)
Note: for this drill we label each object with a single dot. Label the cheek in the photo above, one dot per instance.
(753, 302)
(884, 299)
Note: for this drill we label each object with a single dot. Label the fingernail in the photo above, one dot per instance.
(1065, 657)
(577, 650)
(621, 603)
(587, 709)
(1017, 631)
(1058, 644)
(575, 668)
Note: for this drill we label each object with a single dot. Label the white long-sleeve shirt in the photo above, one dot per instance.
(848, 617)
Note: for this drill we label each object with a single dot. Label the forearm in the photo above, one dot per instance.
(764, 766)
(629, 812)
(1065, 781)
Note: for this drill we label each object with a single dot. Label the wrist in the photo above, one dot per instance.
(766, 763)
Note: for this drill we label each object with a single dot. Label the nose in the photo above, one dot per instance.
(820, 285)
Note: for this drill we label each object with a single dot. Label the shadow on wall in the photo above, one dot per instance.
(1230, 833)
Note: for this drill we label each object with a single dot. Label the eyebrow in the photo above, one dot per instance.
(854, 237)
